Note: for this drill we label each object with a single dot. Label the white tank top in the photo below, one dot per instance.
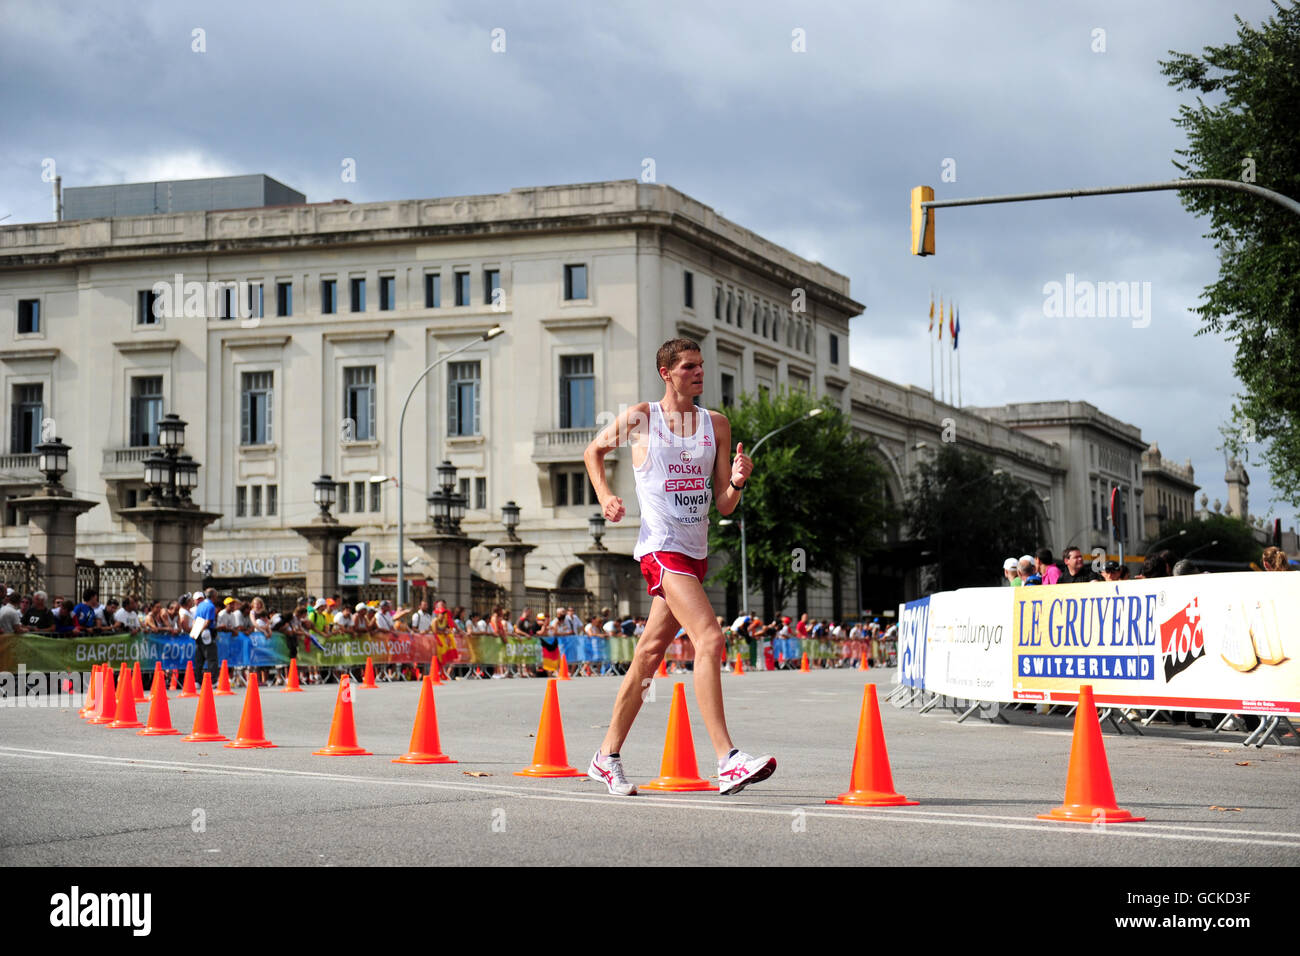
(674, 486)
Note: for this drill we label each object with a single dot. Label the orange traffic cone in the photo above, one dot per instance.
(138, 684)
(549, 756)
(223, 682)
(175, 677)
(425, 745)
(106, 705)
(368, 679)
(205, 718)
(678, 772)
(124, 715)
(1089, 793)
(663, 667)
(803, 666)
(417, 672)
(160, 718)
(740, 664)
(343, 730)
(89, 708)
(435, 671)
(864, 664)
(564, 667)
(292, 686)
(188, 689)
(871, 783)
(250, 721)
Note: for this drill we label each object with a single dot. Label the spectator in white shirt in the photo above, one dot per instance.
(10, 616)
(384, 619)
(422, 620)
(127, 616)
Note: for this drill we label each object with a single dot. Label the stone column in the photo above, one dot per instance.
(512, 555)
(169, 543)
(449, 554)
(324, 535)
(597, 562)
(52, 537)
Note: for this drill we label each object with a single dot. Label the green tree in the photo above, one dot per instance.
(970, 518)
(1236, 541)
(1250, 133)
(815, 499)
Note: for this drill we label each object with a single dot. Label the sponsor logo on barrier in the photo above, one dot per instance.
(912, 630)
(1114, 667)
(1182, 640)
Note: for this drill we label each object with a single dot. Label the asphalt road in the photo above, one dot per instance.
(76, 794)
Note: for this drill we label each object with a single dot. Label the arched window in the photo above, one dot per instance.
(574, 578)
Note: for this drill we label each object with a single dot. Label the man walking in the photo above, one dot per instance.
(674, 444)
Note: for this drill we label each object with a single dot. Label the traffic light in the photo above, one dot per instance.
(922, 221)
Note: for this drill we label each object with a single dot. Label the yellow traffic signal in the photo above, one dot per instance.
(922, 235)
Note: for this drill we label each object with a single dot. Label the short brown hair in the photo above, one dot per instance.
(668, 353)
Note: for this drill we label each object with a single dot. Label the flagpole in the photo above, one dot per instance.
(929, 336)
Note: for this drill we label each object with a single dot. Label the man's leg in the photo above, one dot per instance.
(660, 628)
(690, 605)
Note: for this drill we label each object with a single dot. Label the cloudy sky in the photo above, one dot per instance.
(816, 150)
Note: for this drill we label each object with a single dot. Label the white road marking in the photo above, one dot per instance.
(940, 817)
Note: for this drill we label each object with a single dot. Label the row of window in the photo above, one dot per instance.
(360, 400)
(249, 498)
(575, 288)
(732, 306)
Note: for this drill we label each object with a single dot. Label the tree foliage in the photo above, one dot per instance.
(971, 519)
(1250, 133)
(815, 499)
(1236, 541)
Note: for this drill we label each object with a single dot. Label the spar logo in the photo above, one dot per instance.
(1182, 640)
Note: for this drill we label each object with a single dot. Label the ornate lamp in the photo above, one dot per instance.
(325, 491)
(171, 432)
(510, 518)
(596, 528)
(52, 461)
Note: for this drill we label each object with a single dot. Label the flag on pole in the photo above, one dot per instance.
(931, 311)
(940, 318)
(952, 325)
(956, 329)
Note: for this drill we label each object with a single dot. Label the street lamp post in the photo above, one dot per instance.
(744, 553)
(487, 336)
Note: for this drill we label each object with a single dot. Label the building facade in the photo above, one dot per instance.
(290, 336)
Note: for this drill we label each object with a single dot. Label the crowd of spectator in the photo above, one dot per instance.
(1040, 568)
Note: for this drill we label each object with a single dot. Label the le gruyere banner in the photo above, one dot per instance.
(1216, 642)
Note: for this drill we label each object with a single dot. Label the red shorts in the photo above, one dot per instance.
(655, 564)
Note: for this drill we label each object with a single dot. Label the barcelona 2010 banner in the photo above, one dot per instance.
(1210, 642)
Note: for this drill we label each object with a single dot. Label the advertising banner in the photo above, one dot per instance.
(1213, 642)
(913, 618)
(968, 645)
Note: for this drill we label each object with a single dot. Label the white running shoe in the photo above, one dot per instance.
(741, 770)
(609, 771)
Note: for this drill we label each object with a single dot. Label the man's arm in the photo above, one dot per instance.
(618, 432)
(728, 475)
